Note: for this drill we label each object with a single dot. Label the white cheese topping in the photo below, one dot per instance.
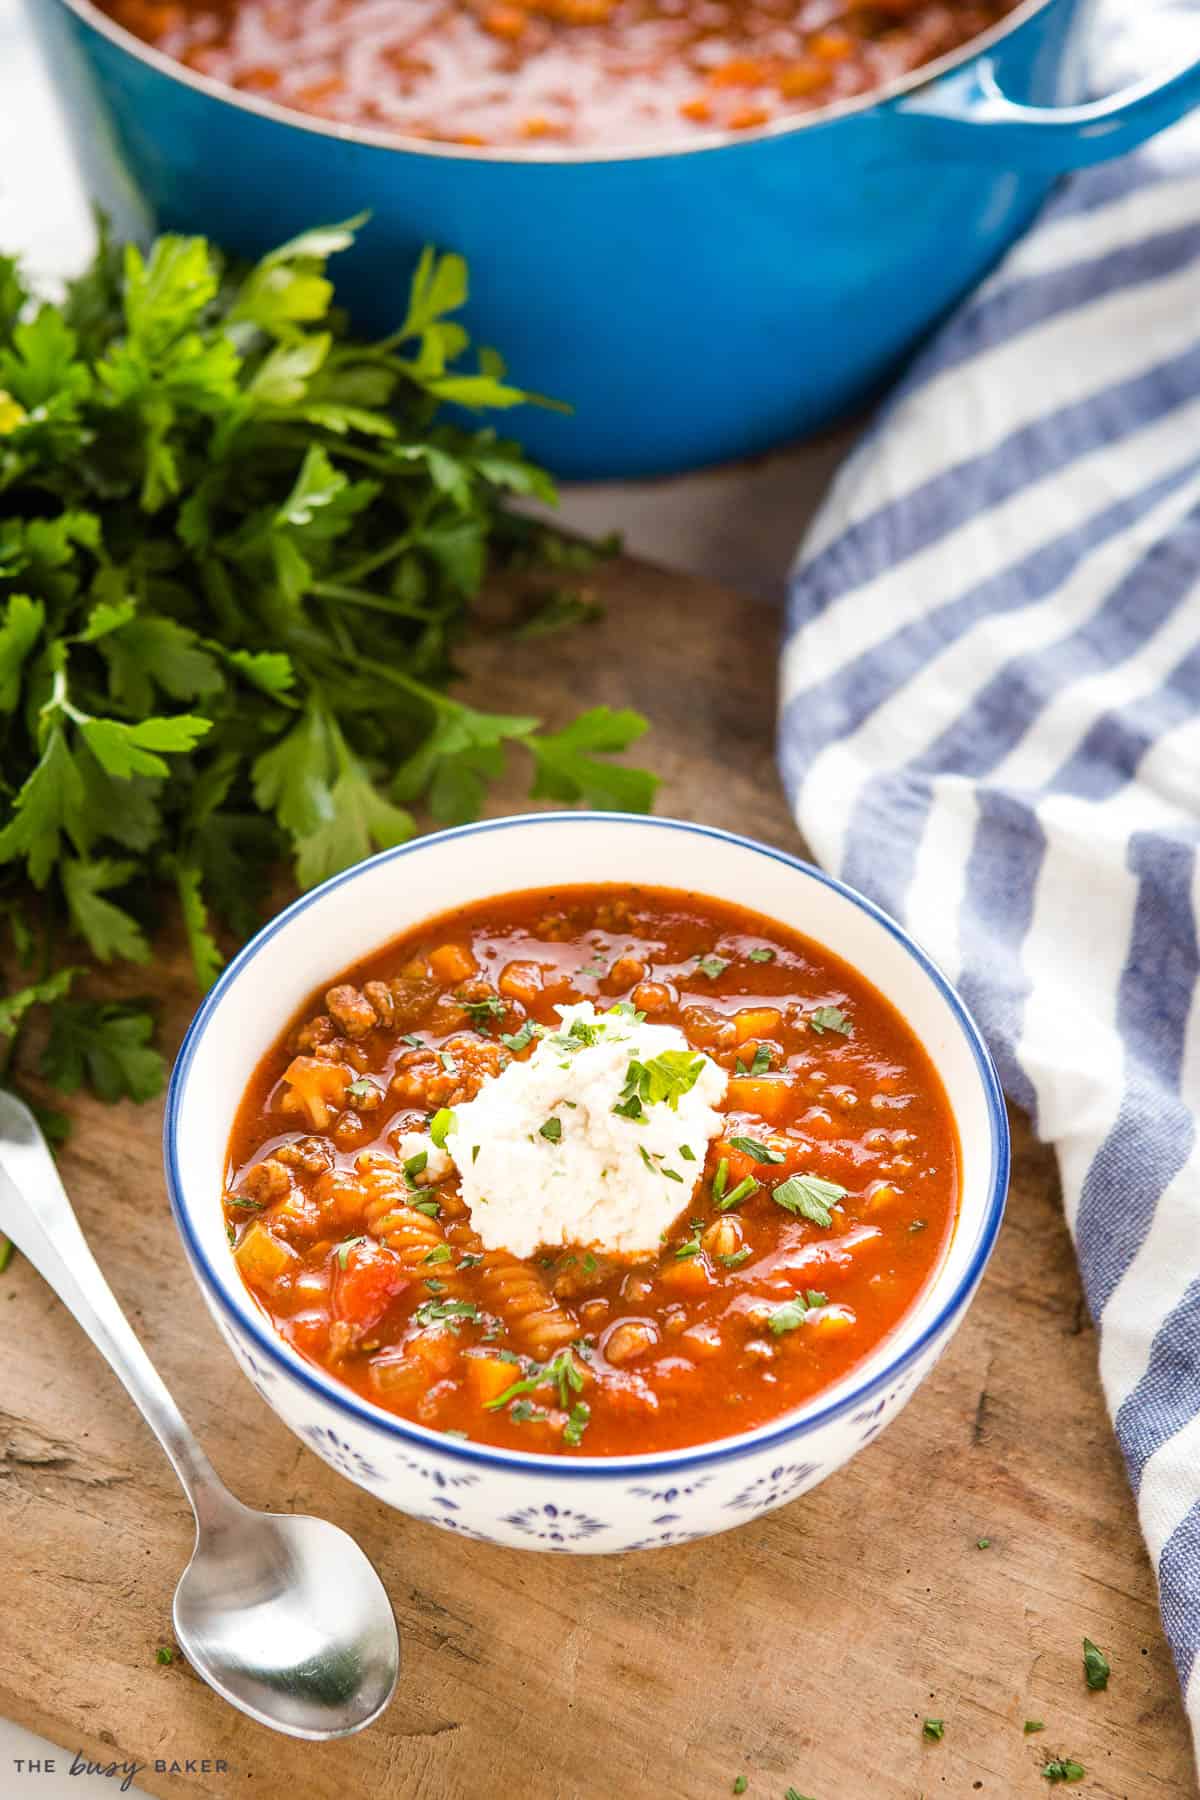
(437, 1163)
(544, 1159)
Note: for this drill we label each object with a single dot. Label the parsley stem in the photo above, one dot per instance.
(353, 596)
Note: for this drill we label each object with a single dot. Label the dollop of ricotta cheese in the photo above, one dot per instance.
(598, 1139)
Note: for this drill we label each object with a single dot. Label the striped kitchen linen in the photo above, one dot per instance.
(990, 722)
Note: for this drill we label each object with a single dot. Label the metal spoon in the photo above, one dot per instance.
(283, 1615)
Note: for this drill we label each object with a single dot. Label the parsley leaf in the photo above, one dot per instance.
(810, 1196)
(1063, 1768)
(1096, 1670)
(934, 1729)
(521, 1038)
(761, 1153)
(712, 966)
(106, 1044)
(238, 550)
(830, 1018)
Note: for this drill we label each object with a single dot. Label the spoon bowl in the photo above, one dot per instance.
(286, 1618)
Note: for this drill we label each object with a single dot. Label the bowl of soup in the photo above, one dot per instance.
(585, 1182)
(705, 228)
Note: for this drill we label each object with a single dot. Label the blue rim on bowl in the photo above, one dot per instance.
(793, 1424)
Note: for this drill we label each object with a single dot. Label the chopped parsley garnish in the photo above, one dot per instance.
(483, 1012)
(580, 1036)
(596, 968)
(810, 1196)
(830, 1018)
(737, 1257)
(551, 1131)
(1095, 1666)
(521, 1038)
(711, 966)
(247, 1205)
(525, 1409)
(576, 1424)
(439, 1254)
(762, 1060)
(760, 1152)
(410, 1037)
(647, 1158)
(760, 953)
(687, 1153)
(474, 1153)
(471, 1259)
(625, 1009)
(934, 1729)
(415, 1165)
(720, 1179)
(434, 1285)
(665, 1077)
(446, 1312)
(362, 1089)
(345, 1247)
(691, 1248)
(230, 1233)
(794, 1312)
(560, 1370)
(1063, 1768)
(165, 1656)
(441, 1125)
(430, 1208)
(983, 1543)
(1032, 1725)
(672, 1175)
(740, 1785)
(741, 1192)
(590, 1265)
(449, 1066)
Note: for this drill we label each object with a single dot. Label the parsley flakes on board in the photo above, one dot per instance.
(238, 551)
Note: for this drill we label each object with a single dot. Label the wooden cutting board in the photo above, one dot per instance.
(803, 1650)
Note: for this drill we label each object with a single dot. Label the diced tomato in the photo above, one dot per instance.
(367, 1283)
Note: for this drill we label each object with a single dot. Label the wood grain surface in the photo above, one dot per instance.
(802, 1650)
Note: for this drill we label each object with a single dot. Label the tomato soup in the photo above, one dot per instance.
(616, 73)
(594, 1171)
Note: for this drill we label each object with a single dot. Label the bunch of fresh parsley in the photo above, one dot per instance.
(237, 548)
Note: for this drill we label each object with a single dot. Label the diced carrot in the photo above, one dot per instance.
(739, 71)
(832, 1321)
(452, 963)
(521, 981)
(746, 118)
(318, 1088)
(698, 110)
(755, 1021)
(750, 1093)
(740, 1163)
(262, 1257)
(488, 1377)
(687, 1275)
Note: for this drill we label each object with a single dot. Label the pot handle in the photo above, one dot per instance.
(969, 115)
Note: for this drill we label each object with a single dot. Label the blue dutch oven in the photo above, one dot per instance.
(692, 304)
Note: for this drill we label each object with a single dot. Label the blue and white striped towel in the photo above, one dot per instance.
(990, 721)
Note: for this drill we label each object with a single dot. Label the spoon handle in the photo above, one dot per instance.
(37, 1215)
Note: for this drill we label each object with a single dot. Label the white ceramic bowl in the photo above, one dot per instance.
(576, 1503)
